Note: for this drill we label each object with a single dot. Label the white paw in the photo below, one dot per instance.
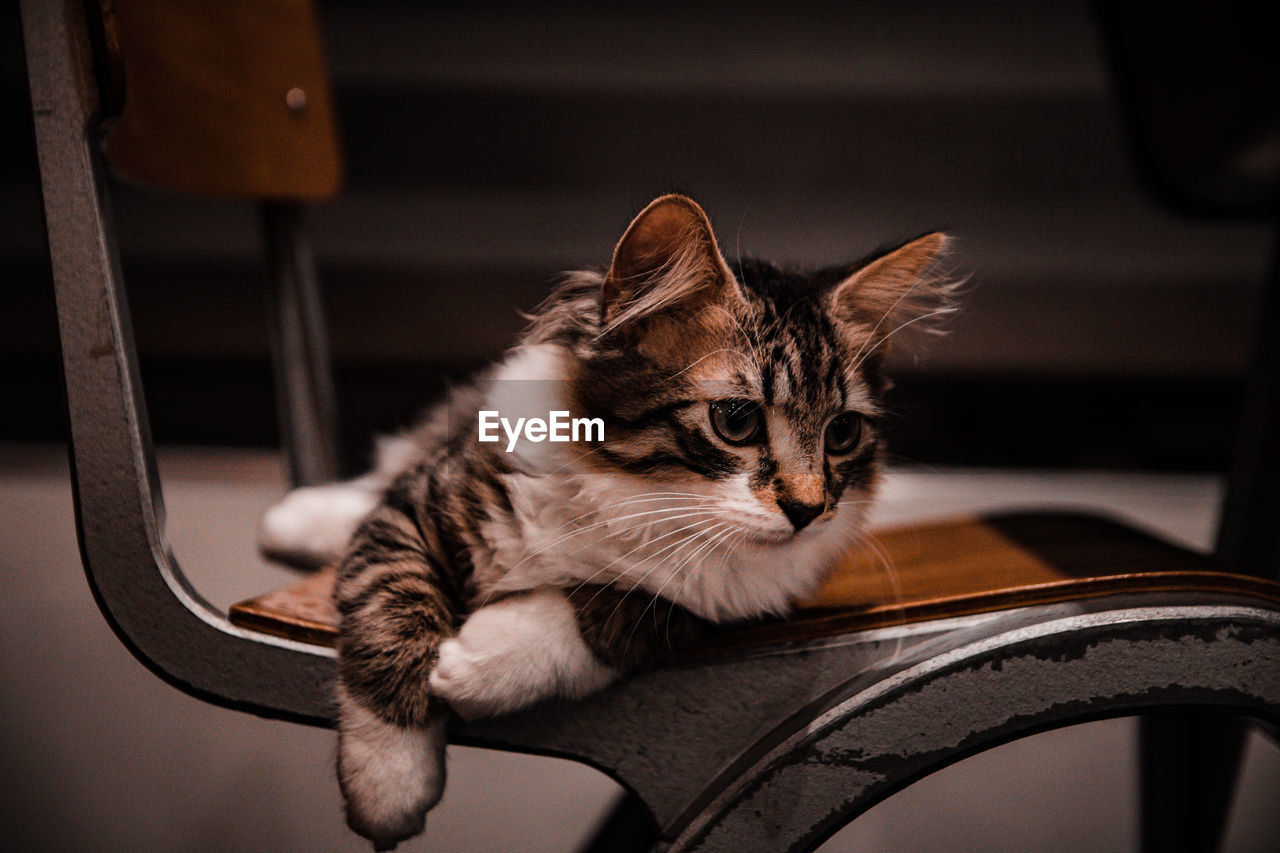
(459, 678)
(390, 776)
(312, 525)
(513, 653)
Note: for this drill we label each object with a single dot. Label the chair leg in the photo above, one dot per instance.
(1188, 764)
(1248, 537)
(299, 351)
(628, 829)
(1189, 761)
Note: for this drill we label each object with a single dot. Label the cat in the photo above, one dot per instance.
(742, 442)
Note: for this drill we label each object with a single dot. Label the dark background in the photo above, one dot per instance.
(490, 148)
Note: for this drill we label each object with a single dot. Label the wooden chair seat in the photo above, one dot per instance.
(940, 569)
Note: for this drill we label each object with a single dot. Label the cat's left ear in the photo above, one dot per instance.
(902, 288)
(667, 260)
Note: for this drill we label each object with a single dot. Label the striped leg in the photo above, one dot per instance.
(390, 775)
(398, 601)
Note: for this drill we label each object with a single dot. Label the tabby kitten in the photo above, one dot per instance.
(741, 413)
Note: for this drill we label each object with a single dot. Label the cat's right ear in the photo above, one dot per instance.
(899, 289)
(667, 257)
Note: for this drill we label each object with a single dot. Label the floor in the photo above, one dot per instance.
(98, 754)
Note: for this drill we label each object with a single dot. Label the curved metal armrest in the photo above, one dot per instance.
(119, 511)
(778, 747)
(1009, 602)
(817, 773)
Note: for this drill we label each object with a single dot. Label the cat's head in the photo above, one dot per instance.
(754, 391)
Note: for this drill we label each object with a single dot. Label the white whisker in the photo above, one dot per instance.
(608, 521)
(711, 533)
(637, 583)
(884, 317)
(728, 536)
(935, 313)
(643, 544)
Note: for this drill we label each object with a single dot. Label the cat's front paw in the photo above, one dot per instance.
(513, 653)
(460, 679)
(390, 776)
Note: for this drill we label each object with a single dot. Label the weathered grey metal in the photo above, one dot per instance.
(119, 510)
(671, 733)
(680, 737)
(829, 766)
(308, 412)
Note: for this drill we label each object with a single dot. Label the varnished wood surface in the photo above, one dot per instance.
(905, 574)
(227, 99)
(301, 611)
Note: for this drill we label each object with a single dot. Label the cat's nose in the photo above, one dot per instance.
(799, 514)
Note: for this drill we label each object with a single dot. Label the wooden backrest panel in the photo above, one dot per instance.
(226, 98)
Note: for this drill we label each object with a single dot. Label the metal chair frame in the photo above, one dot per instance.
(771, 748)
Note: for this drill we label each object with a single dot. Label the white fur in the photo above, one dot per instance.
(515, 652)
(391, 776)
(311, 526)
(721, 555)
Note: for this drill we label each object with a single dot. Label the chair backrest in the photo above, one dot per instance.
(226, 99)
(233, 100)
(1198, 85)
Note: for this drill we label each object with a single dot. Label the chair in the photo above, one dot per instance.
(773, 735)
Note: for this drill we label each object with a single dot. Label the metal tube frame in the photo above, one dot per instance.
(119, 508)
(305, 397)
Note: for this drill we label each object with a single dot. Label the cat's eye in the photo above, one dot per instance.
(737, 421)
(843, 433)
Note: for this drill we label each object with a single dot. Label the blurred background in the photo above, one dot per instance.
(1099, 360)
(487, 151)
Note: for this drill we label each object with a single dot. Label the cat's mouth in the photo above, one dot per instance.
(780, 535)
(773, 536)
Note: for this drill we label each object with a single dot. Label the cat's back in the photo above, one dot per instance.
(448, 426)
